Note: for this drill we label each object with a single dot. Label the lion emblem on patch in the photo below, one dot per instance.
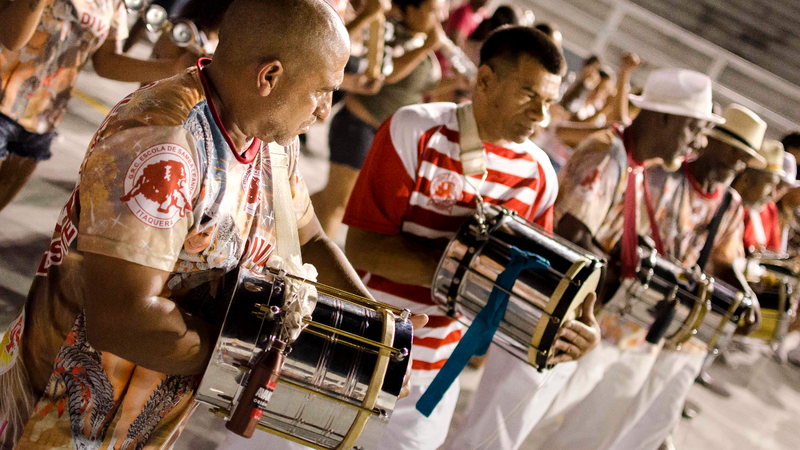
(446, 189)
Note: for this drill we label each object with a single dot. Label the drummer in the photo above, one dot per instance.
(758, 189)
(159, 216)
(590, 211)
(704, 188)
(410, 199)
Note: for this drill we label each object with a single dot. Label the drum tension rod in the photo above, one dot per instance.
(355, 337)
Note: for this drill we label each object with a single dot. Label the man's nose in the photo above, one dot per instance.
(538, 112)
(324, 108)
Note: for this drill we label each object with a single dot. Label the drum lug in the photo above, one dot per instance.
(405, 315)
(403, 354)
(555, 319)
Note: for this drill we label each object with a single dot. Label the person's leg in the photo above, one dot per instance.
(14, 173)
(25, 150)
(349, 141)
(595, 422)
(652, 429)
(408, 429)
(510, 400)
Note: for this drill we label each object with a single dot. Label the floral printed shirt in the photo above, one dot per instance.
(161, 187)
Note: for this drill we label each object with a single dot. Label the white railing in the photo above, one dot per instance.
(605, 32)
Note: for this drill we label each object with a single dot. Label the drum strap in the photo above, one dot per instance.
(713, 228)
(473, 161)
(288, 240)
(481, 332)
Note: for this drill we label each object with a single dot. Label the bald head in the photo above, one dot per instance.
(286, 30)
(277, 65)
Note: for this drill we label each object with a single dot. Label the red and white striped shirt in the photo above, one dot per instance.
(412, 183)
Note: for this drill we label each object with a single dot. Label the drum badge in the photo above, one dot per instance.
(446, 190)
(160, 184)
(9, 344)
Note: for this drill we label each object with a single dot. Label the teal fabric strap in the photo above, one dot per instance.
(479, 335)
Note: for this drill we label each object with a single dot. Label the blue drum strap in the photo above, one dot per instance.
(479, 335)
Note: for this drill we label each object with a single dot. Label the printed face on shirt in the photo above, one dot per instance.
(520, 96)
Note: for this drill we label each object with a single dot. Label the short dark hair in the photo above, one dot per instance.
(403, 4)
(503, 15)
(792, 140)
(547, 28)
(511, 42)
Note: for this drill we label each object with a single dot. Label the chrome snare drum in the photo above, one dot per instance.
(341, 377)
(728, 305)
(540, 300)
(660, 279)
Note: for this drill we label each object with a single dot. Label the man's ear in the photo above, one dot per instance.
(268, 75)
(486, 77)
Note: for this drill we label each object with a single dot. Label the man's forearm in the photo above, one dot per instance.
(18, 21)
(397, 258)
(333, 267)
(160, 338)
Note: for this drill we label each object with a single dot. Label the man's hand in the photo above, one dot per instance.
(577, 337)
(417, 321)
(435, 37)
(752, 320)
(630, 62)
(362, 84)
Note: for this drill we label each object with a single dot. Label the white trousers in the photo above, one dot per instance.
(591, 411)
(658, 406)
(510, 400)
(407, 428)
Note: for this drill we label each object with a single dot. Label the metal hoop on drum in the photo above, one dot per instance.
(315, 404)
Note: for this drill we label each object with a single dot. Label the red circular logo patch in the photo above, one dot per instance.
(160, 184)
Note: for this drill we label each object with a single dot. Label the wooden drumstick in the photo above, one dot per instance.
(377, 34)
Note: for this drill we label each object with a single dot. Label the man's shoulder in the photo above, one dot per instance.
(425, 116)
(164, 103)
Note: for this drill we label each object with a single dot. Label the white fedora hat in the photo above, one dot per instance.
(790, 168)
(680, 92)
(744, 130)
(773, 152)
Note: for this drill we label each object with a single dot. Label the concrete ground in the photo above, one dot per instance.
(761, 413)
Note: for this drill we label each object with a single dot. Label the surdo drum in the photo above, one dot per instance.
(660, 280)
(341, 377)
(540, 301)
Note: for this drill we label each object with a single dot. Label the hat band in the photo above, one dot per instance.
(736, 136)
(775, 167)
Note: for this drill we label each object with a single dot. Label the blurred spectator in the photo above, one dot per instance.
(416, 72)
(464, 20)
(42, 50)
(757, 186)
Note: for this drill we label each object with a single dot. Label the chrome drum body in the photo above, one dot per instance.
(728, 305)
(660, 279)
(341, 377)
(540, 300)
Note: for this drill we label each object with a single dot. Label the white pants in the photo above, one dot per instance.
(407, 428)
(591, 411)
(510, 400)
(659, 405)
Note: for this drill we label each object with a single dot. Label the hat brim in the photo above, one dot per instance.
(639, 102)
(756, 161)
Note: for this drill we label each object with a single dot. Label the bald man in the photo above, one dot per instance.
(174, 192)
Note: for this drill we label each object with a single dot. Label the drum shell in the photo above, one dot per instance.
(532, 319)
(338, 374)
(728, 305)
(637, 298)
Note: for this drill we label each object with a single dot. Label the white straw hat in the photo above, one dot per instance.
(790, 168)
(744, 130)
(680, 92)
(772, 151)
